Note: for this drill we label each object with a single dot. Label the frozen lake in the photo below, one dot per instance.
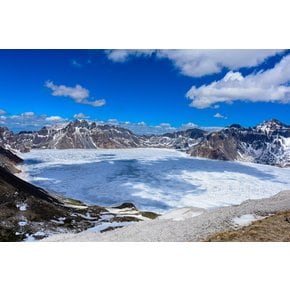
(153, 179)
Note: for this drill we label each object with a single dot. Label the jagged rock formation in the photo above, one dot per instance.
(81, 134)
(77, 134)
(267, 143)
(182, 140)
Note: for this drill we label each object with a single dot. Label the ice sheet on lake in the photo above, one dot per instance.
(153, 179)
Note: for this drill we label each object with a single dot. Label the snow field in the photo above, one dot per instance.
(153, 179)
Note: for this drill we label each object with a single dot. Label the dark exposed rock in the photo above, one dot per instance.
(8, 160)
(126, 205)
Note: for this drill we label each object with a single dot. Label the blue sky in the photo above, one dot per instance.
(144, 90)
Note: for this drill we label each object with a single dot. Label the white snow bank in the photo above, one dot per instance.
(245, 219)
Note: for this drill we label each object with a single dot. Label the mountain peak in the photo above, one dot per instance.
(79, 123)
(274, 122)
(271, 126)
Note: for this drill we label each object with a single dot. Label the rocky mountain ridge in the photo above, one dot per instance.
(266, 143)
(81, 134)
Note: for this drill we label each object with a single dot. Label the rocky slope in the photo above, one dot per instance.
(181, 140)
(30, 212)
(77, 134)
(84, 135)
(275, 228)
(267, 143)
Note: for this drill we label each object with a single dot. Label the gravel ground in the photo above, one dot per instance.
(184, 226)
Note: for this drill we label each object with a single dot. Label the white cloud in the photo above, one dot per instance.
(271, 85)
(220, 116)
(113, 122)
(122, 55)
(22, 122)
(200, 62)
(54, 119)
(2, 112)
(78, 94)
(197, 63)
(165, 125)
(81, 116)
(28, 114)
(29, 121)
(189, 125)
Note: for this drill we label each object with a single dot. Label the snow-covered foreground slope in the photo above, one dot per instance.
(153, 179)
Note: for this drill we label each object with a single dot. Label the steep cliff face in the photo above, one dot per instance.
(267, 143)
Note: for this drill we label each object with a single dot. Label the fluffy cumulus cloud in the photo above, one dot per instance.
(2, 112)
(78, 93)
(220, 116)
(200, 62)
(197, 63)
(272, 85)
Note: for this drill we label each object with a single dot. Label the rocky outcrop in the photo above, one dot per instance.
(181, 140)
(267, 143)
(8, 160)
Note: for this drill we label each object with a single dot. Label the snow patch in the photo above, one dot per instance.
(105, 225)
(182, 214)
(245, 219)
(22, 206)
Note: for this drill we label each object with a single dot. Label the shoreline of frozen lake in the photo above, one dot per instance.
(153, 179)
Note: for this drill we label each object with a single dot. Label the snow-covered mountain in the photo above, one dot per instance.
(77, 134)
(267, 143)
(182, 140)
(85, 135)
